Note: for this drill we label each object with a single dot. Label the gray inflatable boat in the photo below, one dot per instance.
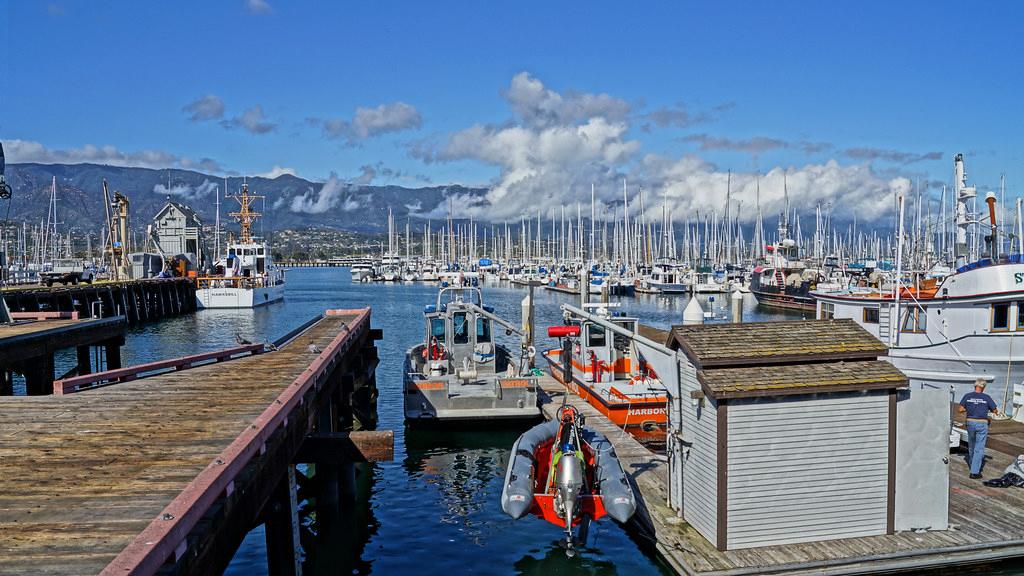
(565, 473)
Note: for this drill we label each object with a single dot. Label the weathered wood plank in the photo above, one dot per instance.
(84, 474)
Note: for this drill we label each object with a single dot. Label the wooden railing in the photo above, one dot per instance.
(108, 377)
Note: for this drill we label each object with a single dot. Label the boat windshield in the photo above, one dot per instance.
(483, 330)
(437, 328)
(460, 328)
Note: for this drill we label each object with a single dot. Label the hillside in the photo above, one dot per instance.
(290, 202)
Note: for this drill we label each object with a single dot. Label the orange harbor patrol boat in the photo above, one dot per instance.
(607, 370)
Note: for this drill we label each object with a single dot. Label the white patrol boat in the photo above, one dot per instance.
(247, 276)
(459, 372)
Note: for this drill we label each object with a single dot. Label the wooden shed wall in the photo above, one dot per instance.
(700, 468)
(806, 468)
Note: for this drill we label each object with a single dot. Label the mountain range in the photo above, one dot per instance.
(288, 201)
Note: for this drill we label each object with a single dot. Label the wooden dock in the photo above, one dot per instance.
(169, 472)
(988, 522)
(27, 347)
(138, 301)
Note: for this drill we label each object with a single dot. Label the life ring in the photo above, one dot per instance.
(435, 351)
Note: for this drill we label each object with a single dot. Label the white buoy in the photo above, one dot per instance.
(694, 312)
(737, 306)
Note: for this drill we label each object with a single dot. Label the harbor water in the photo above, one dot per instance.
(434, 509)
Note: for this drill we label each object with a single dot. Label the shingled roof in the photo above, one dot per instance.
(764, 343)
(758, 381)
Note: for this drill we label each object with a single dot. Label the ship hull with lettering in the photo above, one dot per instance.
(228, 296)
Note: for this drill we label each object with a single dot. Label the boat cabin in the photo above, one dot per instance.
(459, 333)
(247, 260)
(607, 355)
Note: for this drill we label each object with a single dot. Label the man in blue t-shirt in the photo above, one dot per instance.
(977, 405)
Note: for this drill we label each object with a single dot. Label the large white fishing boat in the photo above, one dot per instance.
(246, 277)
(954, 329)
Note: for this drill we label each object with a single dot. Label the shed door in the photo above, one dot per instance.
(922, 458)
(807, 468)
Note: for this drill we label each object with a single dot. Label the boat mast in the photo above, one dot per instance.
(963, 194)
(245, 215)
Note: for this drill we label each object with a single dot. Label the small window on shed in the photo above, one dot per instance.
(828, 311)
(595, 336)
(1000, 316)
(871, 315)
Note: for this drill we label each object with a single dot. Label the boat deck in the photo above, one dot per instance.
(988, 523)
(108, 478)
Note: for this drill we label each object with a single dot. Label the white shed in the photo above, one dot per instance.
(790, 433)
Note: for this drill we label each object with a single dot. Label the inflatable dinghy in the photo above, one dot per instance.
(565, 473)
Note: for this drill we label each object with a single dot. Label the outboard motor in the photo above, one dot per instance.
(569, 482)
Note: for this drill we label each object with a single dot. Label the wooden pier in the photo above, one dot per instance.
(167, 473)
(988, 522)
(138, 301)
(28, 345)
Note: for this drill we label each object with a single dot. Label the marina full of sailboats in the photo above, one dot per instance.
(941, 289)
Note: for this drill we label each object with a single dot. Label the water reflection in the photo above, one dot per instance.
(554, 561)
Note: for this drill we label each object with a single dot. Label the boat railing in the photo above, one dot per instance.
(233, 282)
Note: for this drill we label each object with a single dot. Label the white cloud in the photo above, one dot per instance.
(187, 191)
(253, 120)
(19, 151)
(372, 122)
(540, 167)
(560, 144)
(313, 202)
(207, 107)
(277, 171)
(692, 185)
(539, 106)
(258, 6)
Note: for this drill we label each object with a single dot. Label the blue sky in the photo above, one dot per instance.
(683, 91)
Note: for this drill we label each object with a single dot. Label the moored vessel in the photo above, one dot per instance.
(566, 474)
(459, 372)
(606, 369)
(948, 328)
(246, 277)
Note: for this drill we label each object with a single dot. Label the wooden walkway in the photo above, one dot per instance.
(1006, 436)
(28, 347)
(988, 522)
(115, 479)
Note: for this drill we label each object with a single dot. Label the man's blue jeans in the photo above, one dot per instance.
(977, 433)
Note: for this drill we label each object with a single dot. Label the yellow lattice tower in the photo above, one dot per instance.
(245, 215)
